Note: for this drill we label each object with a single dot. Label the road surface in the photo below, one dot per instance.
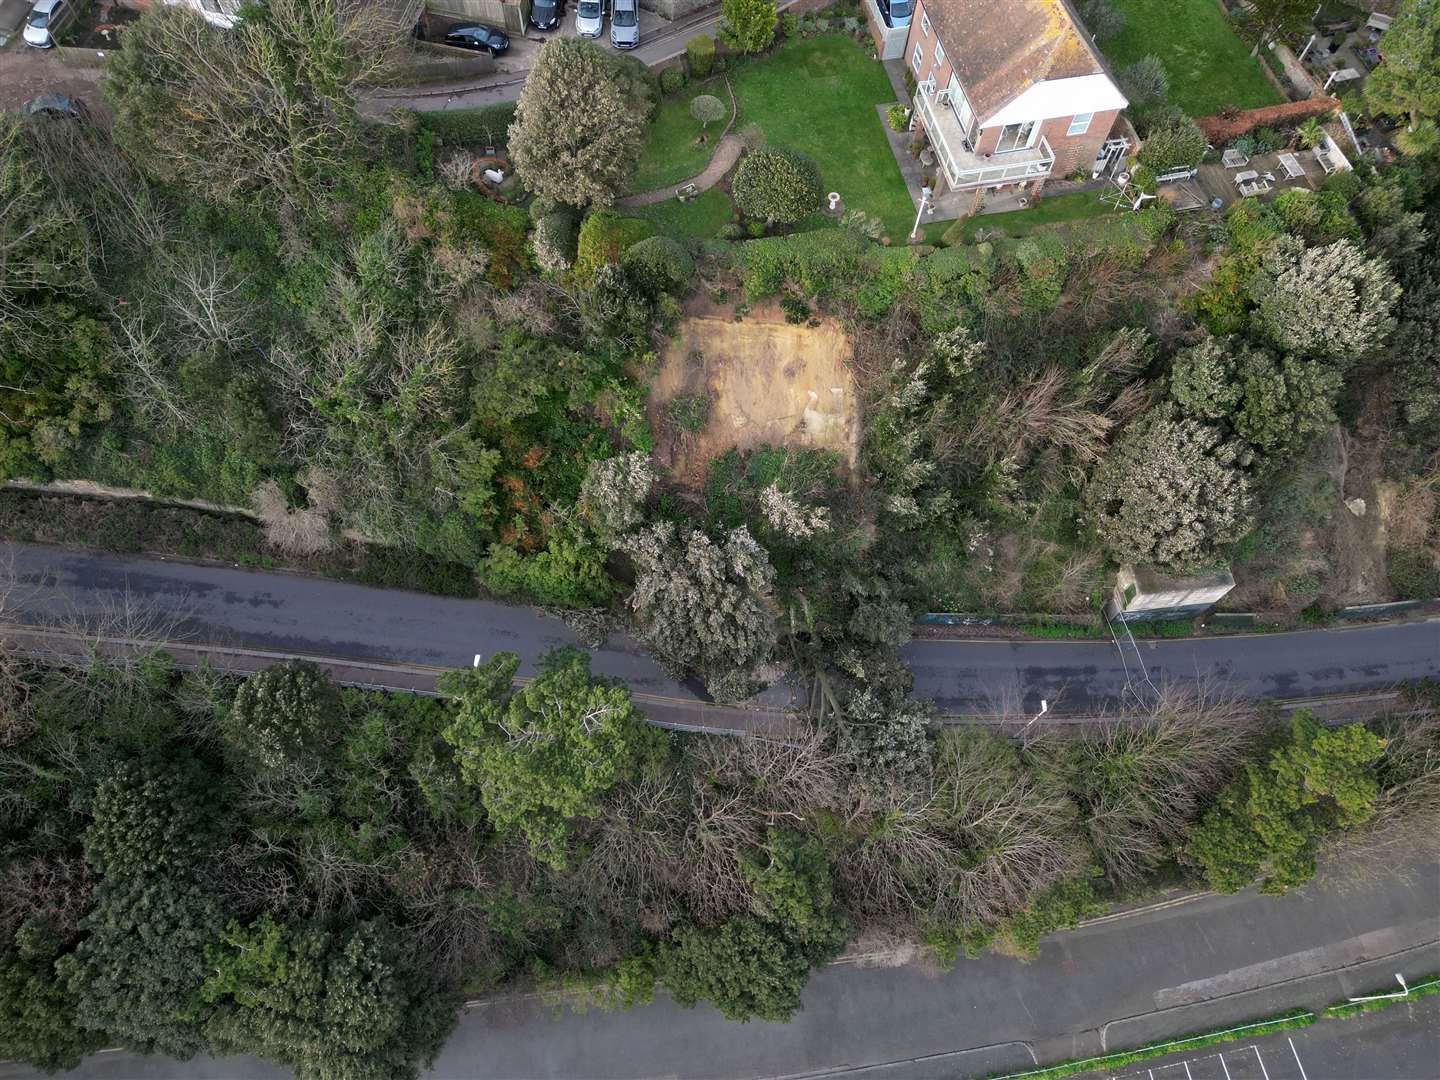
(1155, 974)
(318, 617)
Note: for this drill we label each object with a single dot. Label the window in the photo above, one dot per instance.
(1080, 123)
(1016, 137)
(961, 106)
(939, 52)
(918, 58)
(925, 24)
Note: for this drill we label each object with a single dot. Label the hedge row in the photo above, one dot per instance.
(486, 125)
(1221, 128)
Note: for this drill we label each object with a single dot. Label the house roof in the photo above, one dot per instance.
(1000, 48)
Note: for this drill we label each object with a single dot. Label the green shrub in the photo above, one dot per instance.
(1177, 144)
(777, 185)
(604, 237)
(700, 55)
(1413, 573)
(898, 116)
(820, 262)
(659, 264)
(672, 81)
(485, 125)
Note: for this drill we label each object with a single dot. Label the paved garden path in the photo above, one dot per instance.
(727, 152)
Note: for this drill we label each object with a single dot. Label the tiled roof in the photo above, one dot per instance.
(1002, 47)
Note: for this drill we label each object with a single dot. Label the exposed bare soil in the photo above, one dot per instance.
(769, 382)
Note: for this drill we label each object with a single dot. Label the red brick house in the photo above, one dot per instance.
(1010, 91)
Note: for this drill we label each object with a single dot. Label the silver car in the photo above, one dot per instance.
(590, 18)
(625, 24)
(45, 21)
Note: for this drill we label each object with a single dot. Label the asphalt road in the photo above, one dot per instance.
(314, 616)
(1147, 976)
(1399, 1043)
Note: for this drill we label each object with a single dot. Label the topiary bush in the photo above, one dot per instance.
(604, 236)
(700, 55)
(672, 81)
(658, 265)
(777, 185)
(708, 109)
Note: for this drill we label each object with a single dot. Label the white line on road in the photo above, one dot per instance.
(1297, 1057)
(1258, 1057)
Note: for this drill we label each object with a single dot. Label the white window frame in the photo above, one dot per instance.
(917, 61)
(939, 53)
(1080, 123)
(924, 24)
(1034, 134)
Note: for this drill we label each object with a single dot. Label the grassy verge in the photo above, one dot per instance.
(701, 218)
(1286, 1021)
(1080, 206)
(1209, 66)
(672, 153)
(1343, 1010)
(135, 526)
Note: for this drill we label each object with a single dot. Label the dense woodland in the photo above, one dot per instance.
(242, 292)
(283, 868)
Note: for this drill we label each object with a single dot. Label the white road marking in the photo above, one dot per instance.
(1297, 1057)
(1263, 1071)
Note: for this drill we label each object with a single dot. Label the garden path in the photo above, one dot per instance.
(727, 152)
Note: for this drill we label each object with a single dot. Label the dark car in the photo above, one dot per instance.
(480, 38)
(546, 14)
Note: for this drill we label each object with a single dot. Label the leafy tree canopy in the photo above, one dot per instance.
(1269, 821)
(547, 753)
(1170, 493)
(1408, 81)
(580, 125)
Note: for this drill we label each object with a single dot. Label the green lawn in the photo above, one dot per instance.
(700, 218)
(815, 95)
(818, 95)
(1054, 211)
(1209, 66)
(672, 154)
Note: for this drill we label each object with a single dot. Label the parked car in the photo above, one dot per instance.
(546, 14)
(479, 38)
(896, 12)
(49, 103)
(47, 18)
(625, 24)
(590, 18)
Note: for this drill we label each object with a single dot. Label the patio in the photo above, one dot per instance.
(1263, 175)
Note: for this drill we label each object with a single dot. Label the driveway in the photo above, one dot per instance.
(24, 72)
